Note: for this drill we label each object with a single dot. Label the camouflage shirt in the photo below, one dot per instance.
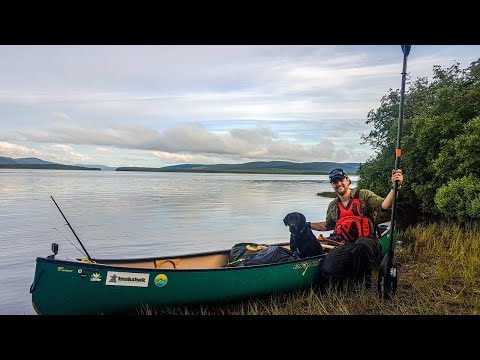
(370, 202)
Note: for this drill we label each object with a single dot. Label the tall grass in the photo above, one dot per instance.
(456, 250)
(438, 273)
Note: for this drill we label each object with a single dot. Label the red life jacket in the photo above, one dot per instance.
(351, 223)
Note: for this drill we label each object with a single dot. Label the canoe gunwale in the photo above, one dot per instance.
(112, 266)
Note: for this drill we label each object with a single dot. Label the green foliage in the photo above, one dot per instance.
(460, 199)
(382, 133)
(461, 155)
(440, 143)
(375, 173)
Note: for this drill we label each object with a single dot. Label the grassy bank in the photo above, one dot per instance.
(439, 273)
(330, 194)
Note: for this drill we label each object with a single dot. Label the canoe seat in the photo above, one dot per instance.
(167, 264)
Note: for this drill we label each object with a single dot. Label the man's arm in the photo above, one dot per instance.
(326, 225)
(388, 201)
(319, 226)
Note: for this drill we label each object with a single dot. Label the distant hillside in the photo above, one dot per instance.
(279, 167)
(31, 160)
(256, 167)
(35, 163)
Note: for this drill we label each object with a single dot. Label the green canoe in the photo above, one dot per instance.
(78, 286)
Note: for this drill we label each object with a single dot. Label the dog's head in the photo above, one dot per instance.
(295, 222)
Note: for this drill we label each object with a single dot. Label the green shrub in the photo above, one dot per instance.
(460, 199)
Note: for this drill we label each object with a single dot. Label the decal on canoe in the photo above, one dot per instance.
(306, 265)
(119, 278)
(62, 269)
(95, 277)
(160, 280)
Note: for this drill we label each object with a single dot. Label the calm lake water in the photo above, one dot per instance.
(140, 214)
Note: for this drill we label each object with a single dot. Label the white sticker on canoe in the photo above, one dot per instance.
(126, 279)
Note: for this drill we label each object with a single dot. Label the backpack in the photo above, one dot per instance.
(273, 255)
(244, 254)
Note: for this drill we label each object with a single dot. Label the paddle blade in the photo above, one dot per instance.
(406, 49)
(387, 279)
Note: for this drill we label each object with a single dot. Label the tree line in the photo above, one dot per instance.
(440, 146)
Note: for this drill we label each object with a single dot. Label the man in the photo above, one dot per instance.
(349, 216)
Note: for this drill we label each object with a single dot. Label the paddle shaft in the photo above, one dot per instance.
(70, 226)
(398, 153)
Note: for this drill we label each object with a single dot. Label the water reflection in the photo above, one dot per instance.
(135, 214)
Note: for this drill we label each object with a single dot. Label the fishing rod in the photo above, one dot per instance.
(83, 247)
(387, 277)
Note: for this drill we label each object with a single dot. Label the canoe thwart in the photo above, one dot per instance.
(167, 264)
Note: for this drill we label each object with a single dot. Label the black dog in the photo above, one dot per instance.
(302, 239)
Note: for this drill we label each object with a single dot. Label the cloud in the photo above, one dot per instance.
(224, 103)
(188, 141)
(55, 153)
(103, 151)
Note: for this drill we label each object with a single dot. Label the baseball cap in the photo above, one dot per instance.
(337, 174)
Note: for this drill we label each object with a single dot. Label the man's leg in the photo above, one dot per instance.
(365, 252)
(338, 264)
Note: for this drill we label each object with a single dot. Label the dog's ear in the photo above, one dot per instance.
(285, 220)
(304, 220)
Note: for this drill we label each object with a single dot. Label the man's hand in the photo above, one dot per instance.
(397, 175)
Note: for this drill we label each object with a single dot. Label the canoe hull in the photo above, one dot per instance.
(74, 287)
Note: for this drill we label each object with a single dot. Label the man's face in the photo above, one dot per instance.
(340, 186)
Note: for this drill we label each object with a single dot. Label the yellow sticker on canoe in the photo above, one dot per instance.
(160, 280)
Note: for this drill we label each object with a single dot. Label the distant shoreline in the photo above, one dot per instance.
(45, 166)
(242, 171)
(253, 171)
(254, 167)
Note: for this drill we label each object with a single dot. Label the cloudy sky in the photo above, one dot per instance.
(163, 105)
